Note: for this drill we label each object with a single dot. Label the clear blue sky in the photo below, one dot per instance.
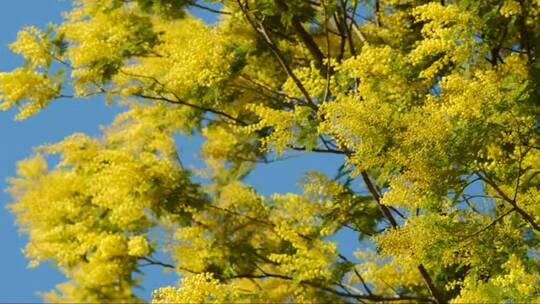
(62, 118)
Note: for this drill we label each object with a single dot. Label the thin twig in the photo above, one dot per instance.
(206, 8)
(527, 217)
(261, 29)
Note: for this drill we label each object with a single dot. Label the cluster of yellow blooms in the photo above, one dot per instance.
(94, 207)
(200, 288)
(433, 106)
(26, 84)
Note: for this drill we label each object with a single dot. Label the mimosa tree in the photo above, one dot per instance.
(426, 101)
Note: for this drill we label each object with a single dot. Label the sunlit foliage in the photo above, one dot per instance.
(433, 106)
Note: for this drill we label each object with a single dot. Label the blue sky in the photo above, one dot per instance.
(64, 117)
(18, 283)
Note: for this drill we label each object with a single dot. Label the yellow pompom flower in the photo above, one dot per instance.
(138, 246)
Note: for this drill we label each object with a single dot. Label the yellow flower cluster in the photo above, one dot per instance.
(510, 8)
(138, 246)
(428, 101)
(448, 33)
(90, 212)
(515, 284)
(384, 273)
(34, 46)
(286, 126)
(24, 84)
(200, 288)
(313, 81)
(189, 55)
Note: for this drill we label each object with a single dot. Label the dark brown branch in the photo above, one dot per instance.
(366, 287)
(370, 297)
(520, 171)
(527, 217)
(260, 276)
(264, 86)
(328, 55)
(384, 209)
(388, 215)
(495, 51)
(356, 28)
(523, 32)
(532, 176)
(319, 150)
(268, 88)
(343, 37)
(328, 143)
(495, 221)
(257, 92)
(261, 29)
(376, 12)
(439, 299)
(206, 8)
(304, 36)
(158, 263)
(73, 96)
(194, 106)
(396, 211)
(468, 203)
(349, 28)
(178, 99)
(375, 298)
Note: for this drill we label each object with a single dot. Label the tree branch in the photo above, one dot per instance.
(304, 36)
(261, 29)
(500, 217)
(328, 54)
(319, 150)
(206, 8)
(158, 263)
(527, 217)
(191, 105)
(178, 99)
(439, 299)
